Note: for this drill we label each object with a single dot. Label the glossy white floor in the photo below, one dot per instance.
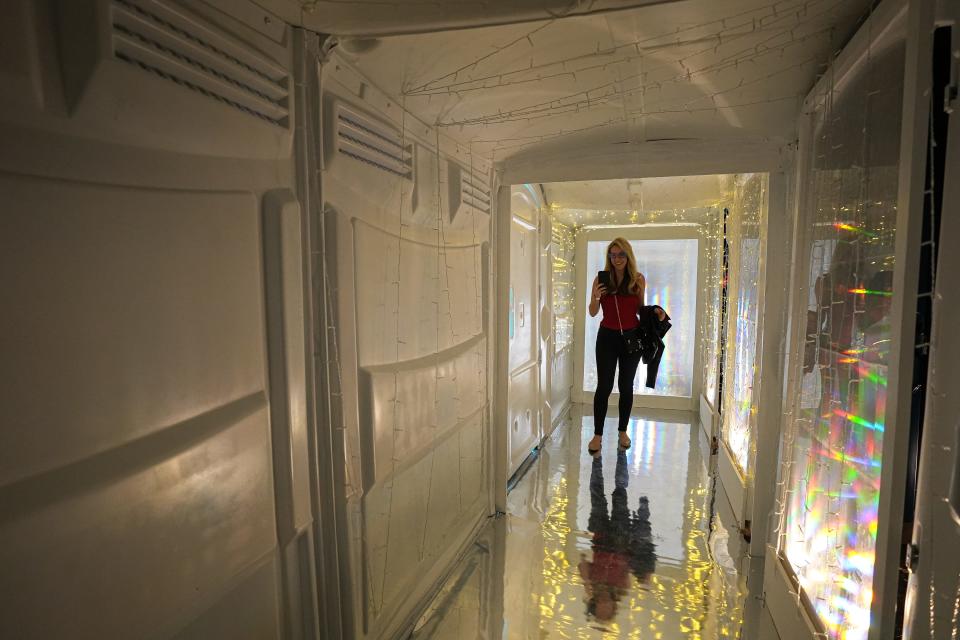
(625, 545)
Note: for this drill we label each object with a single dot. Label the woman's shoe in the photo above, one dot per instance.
(625, 441)
(590, 449)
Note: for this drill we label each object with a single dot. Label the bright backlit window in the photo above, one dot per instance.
(670, 267)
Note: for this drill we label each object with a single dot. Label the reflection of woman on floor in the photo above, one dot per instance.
(622, 543)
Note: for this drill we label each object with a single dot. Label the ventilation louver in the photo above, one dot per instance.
(162, 39)
(467, 187)
(475, 190)
(367, 140)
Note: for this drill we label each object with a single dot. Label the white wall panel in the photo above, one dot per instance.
(65, 244)
(137, 477)
(524, 391)
(406, 266)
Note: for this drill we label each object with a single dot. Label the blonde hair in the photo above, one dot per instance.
(636, 282)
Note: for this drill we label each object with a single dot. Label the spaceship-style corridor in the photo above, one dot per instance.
(314, 308)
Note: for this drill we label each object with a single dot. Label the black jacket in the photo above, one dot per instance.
(651, 332)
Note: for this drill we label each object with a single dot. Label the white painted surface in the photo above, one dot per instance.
(545, 324)
(359, 21)
(524, 413)
(140, 492)
(407, 279)
(610, 95)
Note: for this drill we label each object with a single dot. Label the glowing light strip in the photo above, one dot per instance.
(523, 223)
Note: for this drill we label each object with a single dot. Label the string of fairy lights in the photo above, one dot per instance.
(743, 311)
(446, 276)
(828, 490)
(603, 94)
(752, 22)
(564, 283)
(767, 32)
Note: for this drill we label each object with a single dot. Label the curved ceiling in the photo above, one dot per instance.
(640, 194)
(637, 200)
(732, 70)
(685, 70)
(377, 18)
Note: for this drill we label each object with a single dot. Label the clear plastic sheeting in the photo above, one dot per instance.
(670, 267)
(563, 285)
(834, 434)
(743, 312)
(711, 234)
(563, 282)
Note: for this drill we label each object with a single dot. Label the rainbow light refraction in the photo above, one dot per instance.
(843, 226)
(834, 463)
(832, 520)
(742, 333)
(871, 292)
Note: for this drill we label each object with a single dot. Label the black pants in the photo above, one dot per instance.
(612, 351)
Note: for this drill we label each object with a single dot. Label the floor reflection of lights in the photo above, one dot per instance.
(637, 559)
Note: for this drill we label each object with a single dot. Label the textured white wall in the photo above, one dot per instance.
(524, 393)
(408, 269)
(564, 283)
(137, 468)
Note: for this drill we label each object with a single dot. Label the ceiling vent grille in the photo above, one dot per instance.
(367, 140)
(161, 38)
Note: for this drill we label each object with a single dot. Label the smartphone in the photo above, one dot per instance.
(604, 278)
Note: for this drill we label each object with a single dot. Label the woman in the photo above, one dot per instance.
(620, 307)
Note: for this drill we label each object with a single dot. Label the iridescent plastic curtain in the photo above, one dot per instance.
(564, 277)
(743, 313)
(670, 267)
(835, 430)
(711, 234)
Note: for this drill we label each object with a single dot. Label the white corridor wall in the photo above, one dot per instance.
(407, 264)
(154, 460)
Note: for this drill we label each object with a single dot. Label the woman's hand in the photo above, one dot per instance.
(598, 290)
(661, 314)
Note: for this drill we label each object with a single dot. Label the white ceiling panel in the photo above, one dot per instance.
(699, 69)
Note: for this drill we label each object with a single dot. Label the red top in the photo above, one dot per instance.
(609, 568)
(628, 306)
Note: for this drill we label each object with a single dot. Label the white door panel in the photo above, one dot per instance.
(524, 404)
(545, 324)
